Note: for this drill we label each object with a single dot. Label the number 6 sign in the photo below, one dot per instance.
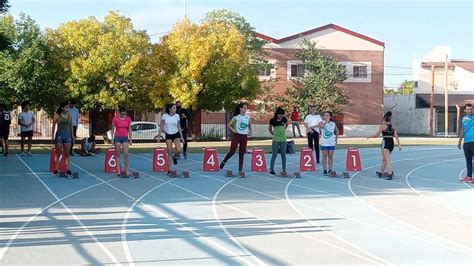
(259, 162)
(211, 161)
(110, 161)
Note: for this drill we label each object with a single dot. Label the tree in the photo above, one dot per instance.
(3, 38)
(104, 61)
(405, 88)
(212, 68)
(27, 70)
(321, 83)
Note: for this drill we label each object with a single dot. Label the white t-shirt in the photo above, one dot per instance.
(328, 137)
(26, 118)
(242, 123)
(313, 120)
(171, 123)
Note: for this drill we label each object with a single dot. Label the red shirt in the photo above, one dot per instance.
(295, 116)
(121, 126)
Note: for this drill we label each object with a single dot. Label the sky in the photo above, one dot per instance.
(409, 29)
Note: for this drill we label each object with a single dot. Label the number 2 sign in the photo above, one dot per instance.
(307, 160)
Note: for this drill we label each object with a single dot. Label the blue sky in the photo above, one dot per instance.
(408, 28)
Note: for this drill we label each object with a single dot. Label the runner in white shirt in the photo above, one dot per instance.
(26, 119)
(312, 123)
(170, 124)
(329, 133)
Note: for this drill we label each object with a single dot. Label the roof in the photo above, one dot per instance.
(464, 64)
(328, 26)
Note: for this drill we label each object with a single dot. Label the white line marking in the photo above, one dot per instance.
(106, 251)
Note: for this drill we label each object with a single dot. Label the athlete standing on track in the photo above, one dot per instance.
(63, 137)
(241, 127)
(277, 128)
(329, 136)
(311, 122)
(466, 132)
(122, 138)
(5, 121)
(170, 124)
(388, 133)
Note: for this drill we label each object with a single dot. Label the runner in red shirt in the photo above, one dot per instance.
(295, 121)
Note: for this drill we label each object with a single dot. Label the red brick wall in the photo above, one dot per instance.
(365, 98)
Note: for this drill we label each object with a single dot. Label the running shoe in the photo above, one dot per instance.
(389, 177)
(272, 172)
(175, 160)
(69, 174)
(55, 172)
(29, 153)
(185, 155)
(221, 166)
(466, 179)
(241, 174)
(379, 174)
(325, 172)
(23, 154)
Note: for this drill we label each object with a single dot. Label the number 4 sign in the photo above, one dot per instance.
(211, 161)
(353, 160)
(307, 160)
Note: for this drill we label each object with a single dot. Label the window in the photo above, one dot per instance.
(136, 127)
(148, 127)
(265, 71)
(359, 72)
(297, 71)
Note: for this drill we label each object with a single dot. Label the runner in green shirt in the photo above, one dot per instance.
(277, 127)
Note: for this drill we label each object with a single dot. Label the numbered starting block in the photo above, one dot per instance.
(229, 173)
(283, 174)
(132, 176)
(333, 174)
(345, 175)
(173, 173)
(297, 175)
(185, 174)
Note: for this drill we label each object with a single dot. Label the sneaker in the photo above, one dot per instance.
(272, 172)
(389, 177)
(29, 153)
(379, 174)
(466, 179)
(221, 166)
(72, 154)
(69, 174)
(55, 172)
(175, 160)
(241, 174)
(325, 172)
(185, 155)
(23, 154)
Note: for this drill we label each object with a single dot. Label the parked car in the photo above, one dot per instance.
(142, 130)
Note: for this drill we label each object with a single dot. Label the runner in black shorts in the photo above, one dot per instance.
(5, 121)
(170, 124)
(388, 133)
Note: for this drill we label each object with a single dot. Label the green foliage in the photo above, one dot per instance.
(211, 135)
(27, 70)
(405, 88)
(321, 85)
(104, 61)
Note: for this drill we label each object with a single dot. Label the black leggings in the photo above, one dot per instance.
(185, 138)
(313, 137)
(468, 153)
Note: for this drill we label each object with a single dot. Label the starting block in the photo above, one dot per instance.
(185, 174)
(283, 174)
(132, 176)
(75, 175)
(173, 173)
(333, 174)
(229, 173)
(345, 175)
(297, 175)
(242, 175)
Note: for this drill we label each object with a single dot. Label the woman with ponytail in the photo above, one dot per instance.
(388, 133)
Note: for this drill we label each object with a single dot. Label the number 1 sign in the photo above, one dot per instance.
(353, 160)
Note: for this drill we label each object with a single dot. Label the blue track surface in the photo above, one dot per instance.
(423, 216)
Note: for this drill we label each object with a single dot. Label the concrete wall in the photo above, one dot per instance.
(406, 118)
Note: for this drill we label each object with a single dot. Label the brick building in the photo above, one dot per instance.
(363, 58)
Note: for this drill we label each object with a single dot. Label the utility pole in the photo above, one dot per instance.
(430, 119)
(185, 11)
(446, 107)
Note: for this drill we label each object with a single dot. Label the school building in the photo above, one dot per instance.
(362, 57)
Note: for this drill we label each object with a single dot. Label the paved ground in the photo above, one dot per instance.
(423, 216)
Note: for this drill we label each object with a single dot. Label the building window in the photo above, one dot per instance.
(265, 71)
(359, 72)
(297, 71)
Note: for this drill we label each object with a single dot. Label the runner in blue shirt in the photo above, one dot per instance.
(466, 131)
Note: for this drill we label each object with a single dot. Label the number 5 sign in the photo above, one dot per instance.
(353, 160)
(110, 161)
(160, 160)
(259, 162)
(307, 160)
(211, 161)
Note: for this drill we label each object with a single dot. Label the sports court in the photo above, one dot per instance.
(423, 216)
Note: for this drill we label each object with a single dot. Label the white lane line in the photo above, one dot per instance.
(407, 182)
(222, 226)
(12, 239)
(104, 248)
(288, 200)
(128, 254)
(460, 247)
(213, 243)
